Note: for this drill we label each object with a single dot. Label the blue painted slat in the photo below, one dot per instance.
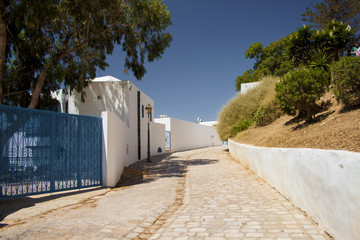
(42, 151)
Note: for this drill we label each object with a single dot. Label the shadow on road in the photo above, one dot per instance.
(162, 166)
(10, 206)
(196, 162)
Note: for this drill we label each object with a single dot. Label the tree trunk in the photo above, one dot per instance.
(2, 46)
(37, 89)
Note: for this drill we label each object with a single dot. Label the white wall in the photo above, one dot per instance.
(133, 134)
(247, 86)
(187, 135)
(111, 95)
(115, 145)
(209, 123)
(323, 183)
(120, 97)
(165, 121)
(118, 151)
(157, 138)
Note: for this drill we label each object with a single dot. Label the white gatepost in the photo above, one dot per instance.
(114, 155)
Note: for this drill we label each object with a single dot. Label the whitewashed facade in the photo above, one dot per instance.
(122, 107)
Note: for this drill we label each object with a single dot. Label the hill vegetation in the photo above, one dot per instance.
(317, 118)
(312, 75)
(333, 128)
(258, 106)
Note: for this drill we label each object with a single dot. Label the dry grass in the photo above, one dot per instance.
(243, 106)
(332, 129)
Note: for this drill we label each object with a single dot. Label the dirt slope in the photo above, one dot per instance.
(332, 129)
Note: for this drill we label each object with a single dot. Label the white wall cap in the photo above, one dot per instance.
(209, 123)
(106, 79)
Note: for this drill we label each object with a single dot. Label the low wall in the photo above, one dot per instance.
(323, 183)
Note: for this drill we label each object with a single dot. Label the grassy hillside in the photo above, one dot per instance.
(240, 111)
(332, 128)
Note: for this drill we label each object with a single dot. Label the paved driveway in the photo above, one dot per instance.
(198, 194)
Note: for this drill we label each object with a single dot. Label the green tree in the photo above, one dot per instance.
(346, 11)
(54, 42)
(245, 78)
(320, 60)
(335, 38)
(273, 57)
(299, 90)
(255, 51)
(301, 45)
(270, 60)
(345, 75)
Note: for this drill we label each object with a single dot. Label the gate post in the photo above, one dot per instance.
(52, 151)
(79, 148)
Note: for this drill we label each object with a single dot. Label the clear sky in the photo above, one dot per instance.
(196, 75)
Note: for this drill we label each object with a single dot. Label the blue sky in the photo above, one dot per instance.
(196, 75)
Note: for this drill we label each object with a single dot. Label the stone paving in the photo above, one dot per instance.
(199, 194)
(224, 200)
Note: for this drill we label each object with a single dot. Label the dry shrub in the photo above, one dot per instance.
(242, 107)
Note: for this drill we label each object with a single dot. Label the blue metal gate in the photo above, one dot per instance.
(168, 140)
(44, 151)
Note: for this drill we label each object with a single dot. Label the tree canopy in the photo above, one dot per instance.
(336, 27)
(346, 11)
(47, 43)
(301, 48)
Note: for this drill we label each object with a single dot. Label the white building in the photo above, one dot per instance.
(122, 107)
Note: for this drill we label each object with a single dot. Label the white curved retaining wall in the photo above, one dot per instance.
(323, 183)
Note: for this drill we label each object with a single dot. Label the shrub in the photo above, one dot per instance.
(242, 107)
(298, 91)
(265, 115)
(345, 75)
(242, 125)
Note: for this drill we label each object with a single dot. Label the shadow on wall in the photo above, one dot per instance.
(104, 96)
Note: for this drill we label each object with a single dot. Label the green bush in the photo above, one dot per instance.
(242, 126)
(265, 115)
(298, 91)
(345, 75)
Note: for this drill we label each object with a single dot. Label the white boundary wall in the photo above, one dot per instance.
(120, 148)
(248, 86)
(157, 138)
(187, 135)
(114, 148)
(323, 183)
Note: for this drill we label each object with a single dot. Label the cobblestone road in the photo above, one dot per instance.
(199, 194)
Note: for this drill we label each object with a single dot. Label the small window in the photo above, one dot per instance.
(142, 111)
(67, 106)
